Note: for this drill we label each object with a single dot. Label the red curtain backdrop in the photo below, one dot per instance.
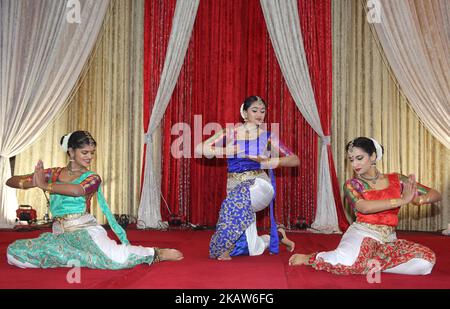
(157, 25)
(315, 22)
(230, 57)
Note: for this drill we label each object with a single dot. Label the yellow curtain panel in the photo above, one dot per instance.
(368, 102)
(107, 102)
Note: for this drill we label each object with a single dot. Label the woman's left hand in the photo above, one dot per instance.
(410, 190)
(39, 176)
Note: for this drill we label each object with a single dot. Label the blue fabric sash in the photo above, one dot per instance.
(274, 240)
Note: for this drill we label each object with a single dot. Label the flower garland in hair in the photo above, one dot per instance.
(378, 149)
(242, 111)
(65, 142)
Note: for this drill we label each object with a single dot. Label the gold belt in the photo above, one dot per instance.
(70, 216)
(384, 230)
(63, 223)
(245, 175)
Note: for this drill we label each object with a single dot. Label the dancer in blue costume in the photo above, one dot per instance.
(250, 150)
(77, 238)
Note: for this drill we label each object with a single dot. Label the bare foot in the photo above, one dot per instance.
(290, 245)
(224, 256)
(299, 259)
(170, 255)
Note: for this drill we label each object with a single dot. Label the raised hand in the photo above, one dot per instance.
(38, 176)
(409, 190)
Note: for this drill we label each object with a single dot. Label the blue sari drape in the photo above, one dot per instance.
(236, 213)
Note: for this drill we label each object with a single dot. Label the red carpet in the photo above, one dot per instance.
(197, 271)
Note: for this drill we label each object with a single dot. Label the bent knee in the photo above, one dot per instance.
(261, 194)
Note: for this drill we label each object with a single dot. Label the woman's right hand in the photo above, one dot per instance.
(409, 190)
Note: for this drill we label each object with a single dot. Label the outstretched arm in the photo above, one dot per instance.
(432, 196)
(41, 179)
(424, 194)
(21, 182)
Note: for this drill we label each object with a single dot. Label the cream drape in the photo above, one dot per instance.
(42, 55)
(415, 36)
(182, 24)
(367, 102)
(108, 103)
(283, 25)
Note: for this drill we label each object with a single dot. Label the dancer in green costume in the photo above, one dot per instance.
(76, 237)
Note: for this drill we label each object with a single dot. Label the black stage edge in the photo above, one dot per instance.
(212, 298)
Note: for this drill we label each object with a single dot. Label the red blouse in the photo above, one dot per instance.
(386, 217)
(90, 184)
(355, 189)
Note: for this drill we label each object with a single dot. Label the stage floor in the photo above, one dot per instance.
(197, 271)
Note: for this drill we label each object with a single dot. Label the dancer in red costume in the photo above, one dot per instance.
(376, 199)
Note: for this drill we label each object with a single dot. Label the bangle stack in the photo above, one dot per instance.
(49, 187)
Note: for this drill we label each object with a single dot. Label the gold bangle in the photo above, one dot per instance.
(21, 182)
(49, 187)
(394, 202)
(423, 200)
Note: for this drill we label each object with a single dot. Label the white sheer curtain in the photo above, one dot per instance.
(284, 29)
(149, 214)
(44, 46)
(415, 36)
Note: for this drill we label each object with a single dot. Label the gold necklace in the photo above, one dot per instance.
(373, 179)
(71, 171)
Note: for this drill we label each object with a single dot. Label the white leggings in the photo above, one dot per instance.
(414, 266)
(15, 262)
(348, 250)
(261, 194)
